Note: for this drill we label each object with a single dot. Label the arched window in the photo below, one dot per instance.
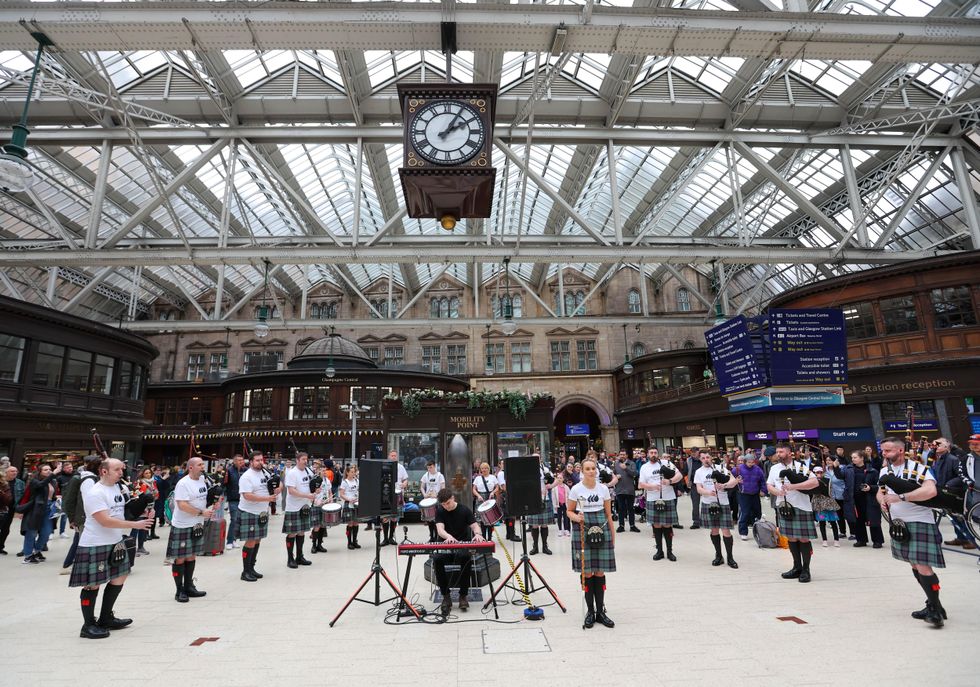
(275, 312)
(495, 306)
(557, 302)
(454, 307)
(633, 302)
(688, 344)
(683, 300)
(518, 306)
(315, 311)
(434, 308)
(444, 307)
(638, 349)
(330, 311)
(569, 304)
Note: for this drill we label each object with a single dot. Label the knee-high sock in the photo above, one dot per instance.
(246, 558)
(806, 553)
(350, 535)
(544, 536)
(88, 598)
(290, 541)
(728, 546)
(599, 592)
(669, 536)
(589, 594)
(189, 573)
(716, 540)
(658, 534)
(534, 536)
(794, 548)
(356, 527)
(177, 570)
(930, 585)
(109, 597)
(300, 543)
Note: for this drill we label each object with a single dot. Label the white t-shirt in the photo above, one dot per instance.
(348, 488)
(299, 480)
(908, 510)
(491, 484)
(195, 491)
(430, 484)
(589, 500)
(501, 480)
(253, 482)
(650, 474)
(100, 497)
(797, 499)
(703, 477)
(402, 477)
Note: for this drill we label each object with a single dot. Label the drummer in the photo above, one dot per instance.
(430, 485)
(349, 488)
(485, 487)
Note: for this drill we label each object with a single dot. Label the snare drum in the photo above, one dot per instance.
(489, 513)
(331, 514)
(428, 509)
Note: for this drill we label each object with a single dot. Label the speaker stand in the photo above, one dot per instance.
(377, 572)
(528, 572)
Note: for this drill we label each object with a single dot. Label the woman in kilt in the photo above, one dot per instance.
(923, 549)
(97, 560)
(657, 478)
(539, 523)
(716, 512)
(590, 506)
(349, 489)
(324, 496)
(798, 528)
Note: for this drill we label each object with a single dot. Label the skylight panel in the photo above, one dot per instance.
(587, 68)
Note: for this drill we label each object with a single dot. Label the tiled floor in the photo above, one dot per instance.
(677, 623)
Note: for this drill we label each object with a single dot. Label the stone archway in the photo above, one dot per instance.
(604, 417)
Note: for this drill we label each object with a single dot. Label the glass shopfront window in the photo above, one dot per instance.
(899, 315)
(77, 370)
(102, 374)
(11, 357)
(953, 307)
(48, 365)
(522, 444)
(680, 376)
(414, 450)
(859, 321)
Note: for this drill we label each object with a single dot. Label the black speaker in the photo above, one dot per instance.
(523, 485)
(484, 571)
(376, 496)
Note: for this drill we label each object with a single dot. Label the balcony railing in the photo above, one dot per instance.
(673, 394)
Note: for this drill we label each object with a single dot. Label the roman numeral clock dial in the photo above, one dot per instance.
(447, 132)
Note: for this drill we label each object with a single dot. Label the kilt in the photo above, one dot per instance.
(800, 527)
(92, 566)
(181, 544)
(723, 520)
(249, 526)
(665, 518)
(924, 546)
(296, 522)
(316, 516)
(545, 517)
(601, 559)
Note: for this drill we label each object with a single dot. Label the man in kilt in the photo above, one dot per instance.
(253, 523)
(299, 503)
(320, 496)
(101, 556)
(590, 507)
(657, 478)
(539, 522)
(186, 541)
(716, 512)
(390, 523)
(798, 528)
(923, 549)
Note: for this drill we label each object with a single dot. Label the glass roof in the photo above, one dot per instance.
(322, 195)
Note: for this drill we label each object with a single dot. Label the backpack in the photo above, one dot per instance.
(168, 508)
(334, 476)
(764, 533)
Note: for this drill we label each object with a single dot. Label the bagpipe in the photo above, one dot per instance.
(215, 490)
(316, 481)
(605, 474)
(950, 498)
(136, 505)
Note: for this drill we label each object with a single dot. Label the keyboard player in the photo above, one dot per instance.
(454, 523)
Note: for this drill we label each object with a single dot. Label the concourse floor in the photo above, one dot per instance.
(676, 623)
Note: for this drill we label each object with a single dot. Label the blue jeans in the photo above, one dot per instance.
(233, 514)
(61, 525)
(70, 558)
(962, 532)
(749, 510)
(36, 540)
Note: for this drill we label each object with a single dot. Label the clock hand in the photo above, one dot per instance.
(452, 125)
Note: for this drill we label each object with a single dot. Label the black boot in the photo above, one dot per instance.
(189, 589)
(247, 575)
(728, 552)
(599, 592)
(669, 536)
(255, 555)
(432, 532)
(806, 553)
(589, 621)
(544, 542)
(108, 619)
(300, 543)
(356, 545)
(716, 541)
(935, 613)
(350, 538)
(658, 534)
(794, 572)
(177, 570)
(534, 539)
(90, 630)
(511, 535)
(291, 560)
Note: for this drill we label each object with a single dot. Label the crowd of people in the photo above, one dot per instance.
(845, 496)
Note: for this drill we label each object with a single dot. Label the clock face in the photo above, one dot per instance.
(447, 132)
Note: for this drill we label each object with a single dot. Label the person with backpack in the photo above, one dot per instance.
(73, 504)
(751, 488)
